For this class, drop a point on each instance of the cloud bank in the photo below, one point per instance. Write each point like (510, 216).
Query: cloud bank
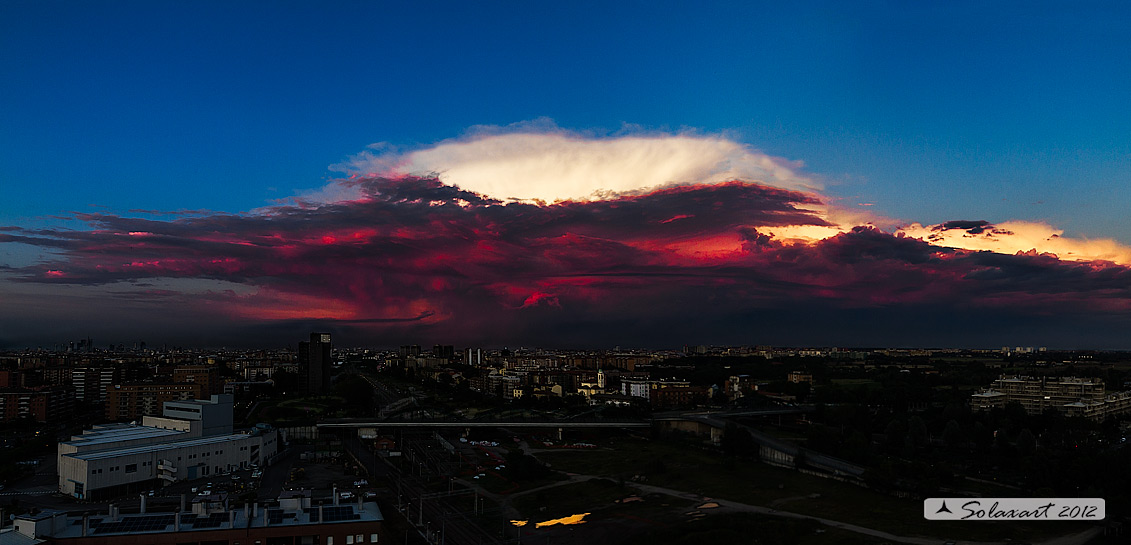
(561, 240)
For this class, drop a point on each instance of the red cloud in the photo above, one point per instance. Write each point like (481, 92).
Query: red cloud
(414, 252)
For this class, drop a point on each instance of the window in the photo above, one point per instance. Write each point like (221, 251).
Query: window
(329, 540)
(131, 468)
(349, 540)
(373, 538)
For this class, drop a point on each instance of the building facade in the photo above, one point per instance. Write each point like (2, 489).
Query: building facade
(193, 440)
(207, 376)
(125, 402)
(47, 404)
(314, 362)
(1073, 396)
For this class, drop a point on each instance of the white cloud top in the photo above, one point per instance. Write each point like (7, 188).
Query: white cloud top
(556, 166)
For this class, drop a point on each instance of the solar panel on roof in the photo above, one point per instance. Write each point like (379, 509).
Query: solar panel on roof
(135, 524)
(277, 516)
(211, 521)
(339, 513)
(312, 512)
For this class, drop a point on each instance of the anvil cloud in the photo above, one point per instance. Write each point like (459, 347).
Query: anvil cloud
(642, 240)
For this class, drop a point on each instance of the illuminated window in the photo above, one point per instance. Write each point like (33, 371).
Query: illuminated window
(372, 538)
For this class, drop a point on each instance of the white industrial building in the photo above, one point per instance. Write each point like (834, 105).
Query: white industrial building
(193, 439)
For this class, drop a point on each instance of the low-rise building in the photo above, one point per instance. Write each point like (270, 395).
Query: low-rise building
(295, 521)
(194, 439)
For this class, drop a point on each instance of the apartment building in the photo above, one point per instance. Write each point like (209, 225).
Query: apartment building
(1074, 396)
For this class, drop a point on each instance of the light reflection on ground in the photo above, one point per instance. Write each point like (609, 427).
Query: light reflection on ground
(566, 521)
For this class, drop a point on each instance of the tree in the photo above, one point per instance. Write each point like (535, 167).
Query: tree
(952, 435)
(285, 382)
(358, 393)
(894, 435)
(1026, 443)
(917, 432)
(737, 441)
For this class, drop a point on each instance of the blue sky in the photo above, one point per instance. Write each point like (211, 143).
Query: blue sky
(932, 111)
(924, 112)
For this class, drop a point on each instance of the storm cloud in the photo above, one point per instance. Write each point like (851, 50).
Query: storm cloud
(416, 258)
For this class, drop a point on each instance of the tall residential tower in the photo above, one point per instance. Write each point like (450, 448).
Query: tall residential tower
(314, 363)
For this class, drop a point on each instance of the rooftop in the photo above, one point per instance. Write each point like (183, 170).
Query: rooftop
(104, 525)
(154, 447)
(114, 433)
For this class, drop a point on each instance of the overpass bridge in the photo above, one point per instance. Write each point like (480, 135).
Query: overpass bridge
(440, 423)
(557, 423)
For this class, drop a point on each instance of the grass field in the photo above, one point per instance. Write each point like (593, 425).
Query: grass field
(749, 528)
(602, 499)
(704, 472)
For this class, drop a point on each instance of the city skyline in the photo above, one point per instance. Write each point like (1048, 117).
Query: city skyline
(650, 176)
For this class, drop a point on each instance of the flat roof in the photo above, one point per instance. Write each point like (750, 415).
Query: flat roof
(152, 523)
(122, 432)
(155, 447)
(9, 536)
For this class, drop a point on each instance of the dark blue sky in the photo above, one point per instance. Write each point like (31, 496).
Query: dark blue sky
(932, 111)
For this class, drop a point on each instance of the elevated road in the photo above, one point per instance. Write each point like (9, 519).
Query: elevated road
(562, 423)
(484, 424)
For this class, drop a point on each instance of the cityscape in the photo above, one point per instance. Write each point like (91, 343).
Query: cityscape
(318, 443)
(278, 273)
